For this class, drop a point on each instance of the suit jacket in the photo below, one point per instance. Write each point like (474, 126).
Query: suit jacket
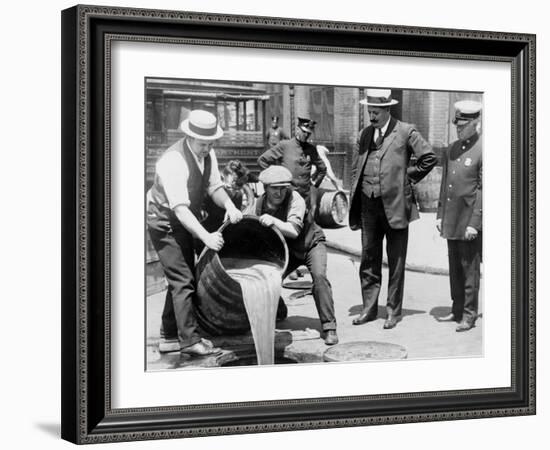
(401, 141)
(460, 195)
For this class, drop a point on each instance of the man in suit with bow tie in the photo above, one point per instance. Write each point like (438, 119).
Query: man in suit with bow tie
(382, 200)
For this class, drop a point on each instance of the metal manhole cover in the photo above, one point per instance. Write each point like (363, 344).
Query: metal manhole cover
(364, 351)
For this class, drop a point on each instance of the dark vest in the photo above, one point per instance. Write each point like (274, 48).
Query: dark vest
(371, 174)
(310, 235)
(159, 214)
(282, 211)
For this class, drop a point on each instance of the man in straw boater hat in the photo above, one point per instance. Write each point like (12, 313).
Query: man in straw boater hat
(382, 200)
(459, 214)
(185, 173)
(283, 208)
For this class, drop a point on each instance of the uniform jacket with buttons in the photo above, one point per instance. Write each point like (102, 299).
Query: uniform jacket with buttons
(401, 141)
(275, 135)
(298, 157)
(460, 196)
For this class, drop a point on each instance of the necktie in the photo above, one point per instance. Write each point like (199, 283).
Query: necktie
(380, 137)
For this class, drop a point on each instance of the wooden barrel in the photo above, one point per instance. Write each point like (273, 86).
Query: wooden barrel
(219, 305)
(332, 208)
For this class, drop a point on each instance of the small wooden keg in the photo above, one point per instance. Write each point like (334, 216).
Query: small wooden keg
(332, 208)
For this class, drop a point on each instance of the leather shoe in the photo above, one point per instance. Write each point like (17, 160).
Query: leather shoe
(293, 276)
(390, 322)
(201, 348)
(363, 318)
(331, 337)
(167, 345)
(465, 325)
(448, 318)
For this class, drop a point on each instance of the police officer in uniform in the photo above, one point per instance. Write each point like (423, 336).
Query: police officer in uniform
(184, 174)
(298, 156)
(459, 213)
(275, 134)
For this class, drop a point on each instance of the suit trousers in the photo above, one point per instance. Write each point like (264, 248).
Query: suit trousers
(316, 262)
(464, 276)
(374, 227)
(176, 254)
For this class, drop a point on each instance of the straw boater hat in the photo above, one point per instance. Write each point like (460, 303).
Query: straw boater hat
(202, 125)
(466, 110)
(275, 176)
(379, 97)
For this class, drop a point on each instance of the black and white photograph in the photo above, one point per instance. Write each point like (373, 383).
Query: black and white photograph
(310, 224)
(253, 225)
(285, 224)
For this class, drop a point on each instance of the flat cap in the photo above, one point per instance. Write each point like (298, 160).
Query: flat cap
(466, 110)
(275, 176)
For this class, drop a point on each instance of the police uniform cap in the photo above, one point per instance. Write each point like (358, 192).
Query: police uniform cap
(275, 176)
(306, 125)
(466, 110)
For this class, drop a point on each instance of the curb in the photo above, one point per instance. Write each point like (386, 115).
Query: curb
(408, 266)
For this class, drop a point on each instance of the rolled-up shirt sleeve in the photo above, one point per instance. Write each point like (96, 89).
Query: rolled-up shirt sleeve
(296, 211)
(173, 174)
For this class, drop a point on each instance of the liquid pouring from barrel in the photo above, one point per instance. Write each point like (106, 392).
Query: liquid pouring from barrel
(239, 287)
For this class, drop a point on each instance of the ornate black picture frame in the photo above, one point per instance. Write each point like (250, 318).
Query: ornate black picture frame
(87, 35)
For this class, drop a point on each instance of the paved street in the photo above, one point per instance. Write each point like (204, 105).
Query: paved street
(298, 337)
(426, 251)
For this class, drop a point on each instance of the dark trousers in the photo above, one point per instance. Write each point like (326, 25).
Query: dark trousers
(176, 254)
(374, 227)
(316, 261)
(464, 275)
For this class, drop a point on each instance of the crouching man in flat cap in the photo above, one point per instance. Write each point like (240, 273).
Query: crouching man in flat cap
(184, 175)
(382, 200)
(283, 208)
(459, 214)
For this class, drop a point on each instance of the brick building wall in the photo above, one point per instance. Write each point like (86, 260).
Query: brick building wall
(440, 105)
(417, 109)
(346, 128)
(430, 111)
(287, 125)
(301, 101)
